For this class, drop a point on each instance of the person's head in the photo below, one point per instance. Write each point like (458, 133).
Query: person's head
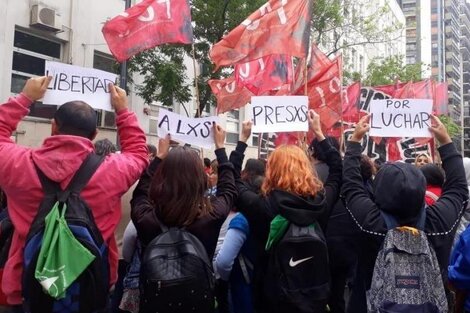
(207, 162)
(75, 118)
(253, 167)
(289, 169)
(367, 168)
(152, 151)
(422, 159)
(214, 175)
(433, 174)
(178, 188)
(317, 153)
(399, 190)
(253, 173)
(104, 147)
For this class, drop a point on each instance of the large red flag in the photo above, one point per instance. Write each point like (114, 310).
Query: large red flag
(147, 25)
(318, 61)
(325, 93)
(265, 74)
(229, 94)
(278, 27)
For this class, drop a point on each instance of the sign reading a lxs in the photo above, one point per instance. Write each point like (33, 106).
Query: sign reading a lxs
(279, 113)
(195, 131)
(400, 118)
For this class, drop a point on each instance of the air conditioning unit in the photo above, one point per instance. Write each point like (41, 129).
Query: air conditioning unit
(45, 18)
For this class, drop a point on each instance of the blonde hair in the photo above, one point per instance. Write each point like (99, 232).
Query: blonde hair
(425, 155)
(289, 169)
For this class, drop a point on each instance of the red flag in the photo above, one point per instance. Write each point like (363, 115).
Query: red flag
(278, 27)
(287, 139)
(318, 61)
(325, 93)
(229, 94)
(265, 74)
(147, 25)
(351, 103)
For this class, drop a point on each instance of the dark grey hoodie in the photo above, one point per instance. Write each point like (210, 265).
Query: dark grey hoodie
(399, 189)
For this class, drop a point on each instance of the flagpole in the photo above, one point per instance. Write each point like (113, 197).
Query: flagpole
(196, 85)
(304, 139)
(196, 88)
(123, 78)
(342, 147)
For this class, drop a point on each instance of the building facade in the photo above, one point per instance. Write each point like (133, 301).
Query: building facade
(465, 51)
(388, 38)
(418, 33)
(447, 60)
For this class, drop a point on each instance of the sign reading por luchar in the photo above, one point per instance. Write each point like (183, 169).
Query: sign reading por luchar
(400, 118)
(194, 131)
(279, 113)
(72, 83)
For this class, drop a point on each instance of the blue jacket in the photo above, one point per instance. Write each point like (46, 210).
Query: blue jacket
(459, 266)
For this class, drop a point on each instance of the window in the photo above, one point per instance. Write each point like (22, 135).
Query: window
(233, 126)
(29, 60)
(105, 62)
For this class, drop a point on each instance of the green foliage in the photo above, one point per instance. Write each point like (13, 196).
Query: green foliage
(164, 75)
(387, 71)
(452, 128)
(351, 77)
(340, 24)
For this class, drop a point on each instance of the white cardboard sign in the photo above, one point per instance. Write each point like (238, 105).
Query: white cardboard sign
(400, 118)
(194, 131)
(71, 83)
(278, 114)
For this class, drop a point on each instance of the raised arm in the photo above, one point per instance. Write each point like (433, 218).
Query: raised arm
(446, 211)
(363, 210)
(226, 190)
(238, 155)
(11, 113)
(133, 158)
(333, 183)
(142, 211)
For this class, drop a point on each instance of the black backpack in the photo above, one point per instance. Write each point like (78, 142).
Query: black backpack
(176, 275)
(297, 276)
(89, 293)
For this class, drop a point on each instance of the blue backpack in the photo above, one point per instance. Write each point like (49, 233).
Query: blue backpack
(89, 293)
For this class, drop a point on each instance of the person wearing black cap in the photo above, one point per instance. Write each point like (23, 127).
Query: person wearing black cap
(399, 190)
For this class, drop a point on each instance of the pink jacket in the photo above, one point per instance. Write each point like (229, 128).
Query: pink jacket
(59, 157)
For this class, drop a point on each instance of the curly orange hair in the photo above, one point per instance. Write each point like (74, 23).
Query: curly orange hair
(289, 169)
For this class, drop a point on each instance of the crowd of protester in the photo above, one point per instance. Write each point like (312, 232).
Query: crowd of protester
(308, 230)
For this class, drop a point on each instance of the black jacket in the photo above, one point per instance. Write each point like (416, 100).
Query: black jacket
(260, 210)
(205, 228)
(392, 194)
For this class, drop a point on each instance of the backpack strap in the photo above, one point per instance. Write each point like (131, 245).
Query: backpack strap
(245, 264)
(78, 182)
(48, 186)
(84, 173)
(392, 222)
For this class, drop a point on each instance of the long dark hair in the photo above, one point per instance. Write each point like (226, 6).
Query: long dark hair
(178, 188)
